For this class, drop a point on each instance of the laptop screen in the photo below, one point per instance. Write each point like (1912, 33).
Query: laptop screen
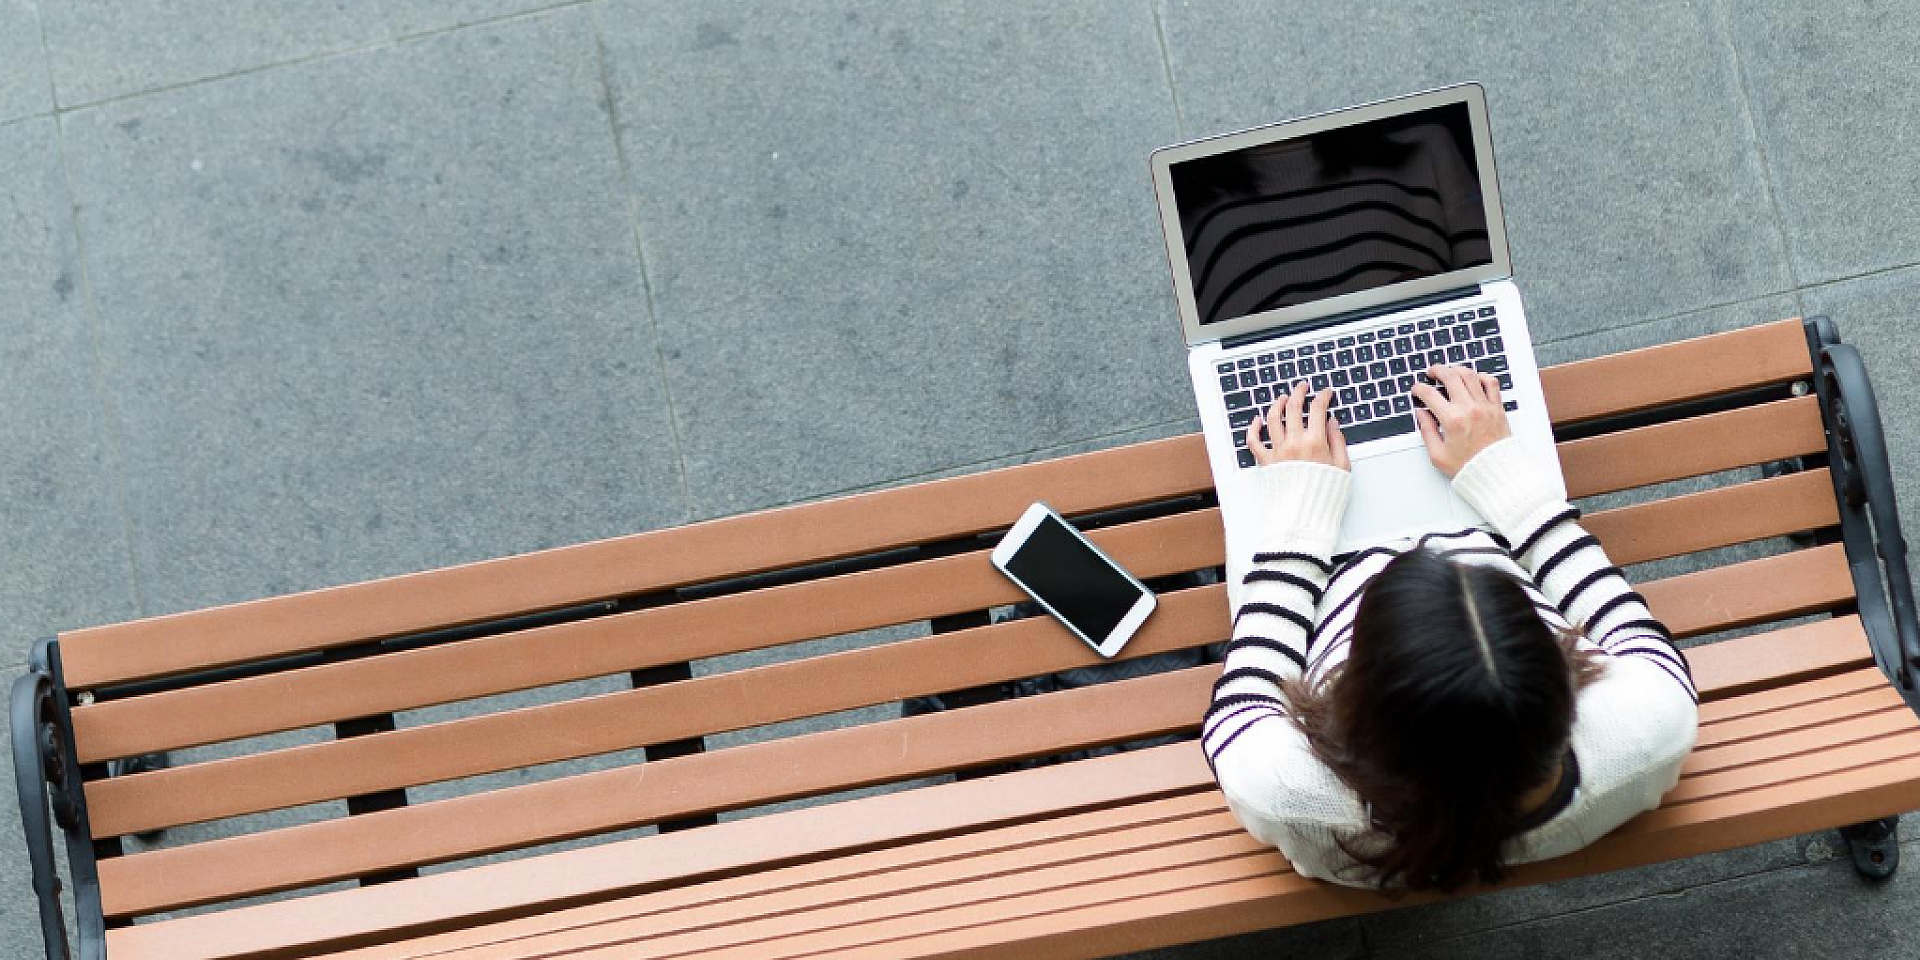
(1332, 213)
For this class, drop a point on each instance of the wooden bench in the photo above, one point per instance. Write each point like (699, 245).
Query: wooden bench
(1801, 730)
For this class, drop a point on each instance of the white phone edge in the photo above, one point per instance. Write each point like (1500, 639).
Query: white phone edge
(1017, 537)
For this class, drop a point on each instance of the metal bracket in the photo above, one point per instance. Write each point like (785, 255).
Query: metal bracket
(1875, 847)
(48, 780)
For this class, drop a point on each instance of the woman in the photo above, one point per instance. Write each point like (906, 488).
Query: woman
(1430, 712)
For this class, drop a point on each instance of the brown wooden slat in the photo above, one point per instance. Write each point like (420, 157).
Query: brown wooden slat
(651, 792)
(1761, 702)
(649, 715)
(1792, 655)
(641, 563)
(1677, 372)
(1738, 513)
(1693, 447)
(1756, 591)
(611, 645)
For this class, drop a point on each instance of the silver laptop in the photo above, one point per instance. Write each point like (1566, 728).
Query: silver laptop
(1350, 249)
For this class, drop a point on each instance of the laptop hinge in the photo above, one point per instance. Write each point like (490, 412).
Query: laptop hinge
(1457, 293)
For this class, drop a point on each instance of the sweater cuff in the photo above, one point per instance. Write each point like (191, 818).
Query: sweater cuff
(1505, 485)
(1305, 503)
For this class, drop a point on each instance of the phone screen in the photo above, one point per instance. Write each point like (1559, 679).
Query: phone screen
(1079, 584)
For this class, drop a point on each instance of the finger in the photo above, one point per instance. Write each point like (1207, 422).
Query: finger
(1337, 442)
(1317, 415)
(1296, 402)
(1492, 383)
(1258, 449)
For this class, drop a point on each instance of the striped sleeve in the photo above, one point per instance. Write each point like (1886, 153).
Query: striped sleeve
(1279, 561)
(1570, 567)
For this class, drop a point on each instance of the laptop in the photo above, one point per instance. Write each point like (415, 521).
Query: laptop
(1350, 249)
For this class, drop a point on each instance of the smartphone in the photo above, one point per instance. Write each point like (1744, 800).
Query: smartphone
(1069, 576)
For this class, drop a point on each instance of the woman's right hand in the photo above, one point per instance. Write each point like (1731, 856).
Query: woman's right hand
(1461, 422)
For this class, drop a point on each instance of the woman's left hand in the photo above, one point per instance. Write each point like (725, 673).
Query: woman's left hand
(1299, 430)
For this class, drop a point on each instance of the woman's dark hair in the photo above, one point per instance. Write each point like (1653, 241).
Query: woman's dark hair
(1456, 700)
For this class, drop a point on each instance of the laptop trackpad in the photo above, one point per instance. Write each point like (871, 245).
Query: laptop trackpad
(1395, 495)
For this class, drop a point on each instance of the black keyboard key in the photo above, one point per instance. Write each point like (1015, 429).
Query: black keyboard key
(1506, 381)
(1262, 396)
(1367, 337)
(1363, 354)
(1486, 311)
(1417, 361)
(1476, 349)
(1389, 387)
(1379, 429)
(1325, 347)
(1496, 344)
(1369, 392)
(1397, 366)
(1345, 357)
(1423, 341)
(1383, 349)
(1240, 439)
(1238, 419)
(1435, 356)
(1377, 370)
(1283, 354)
(1246, 364)
(1362, 413)
(1511, 405)
(1404, 344)
(1404, 329)
(1230, 382)
(1236, 401)
(1442, 337)
(1491, 365)
(1427, 324)
(1402, 403)
(1448, 321)
(1286, 371)
(1346, 341)
(1266, 358)
(1226, 367)
(1267, 375)
(1404, 383)
(1382, 408)
(1456, 354)
(1348, 397)
(1249, 379)
(1320, 381)
(1342, 415)
(1485, 328)
(1246, 458)
(1340, 378)
(1327, 364)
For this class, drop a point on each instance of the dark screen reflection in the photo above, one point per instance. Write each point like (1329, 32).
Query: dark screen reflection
(1333, 213)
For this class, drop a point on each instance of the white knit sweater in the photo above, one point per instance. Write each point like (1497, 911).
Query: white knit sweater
(1294, 613)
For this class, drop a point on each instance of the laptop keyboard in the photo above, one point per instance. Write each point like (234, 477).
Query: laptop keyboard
(1371, 374)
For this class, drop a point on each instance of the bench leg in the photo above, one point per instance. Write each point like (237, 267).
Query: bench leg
(1875, 847)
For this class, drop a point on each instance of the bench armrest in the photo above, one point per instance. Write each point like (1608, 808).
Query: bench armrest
(46, 775)
(1869, 517)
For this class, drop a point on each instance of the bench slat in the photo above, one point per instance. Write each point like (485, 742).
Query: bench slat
(554, 880)
(1693, 447)
(676, 633)
(1797, 655)
(1677, 372)
(1691, 604)
(848, 526)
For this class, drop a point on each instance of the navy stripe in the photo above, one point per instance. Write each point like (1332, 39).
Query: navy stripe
(1233, 698)
(1572, 596)
(1281, 576)
(1645, 623)
(1284, 555)
(1332, 643)
(1447, 535)
(1215, 753)
(1614, 603)
(1215, 717)
(1273, 609)
(1657, 650)
(1267, 643)
(1526, 544)
(1581, 542)
(1353, 560)
(1692, 694)
(1246, 673)
(1468, 551)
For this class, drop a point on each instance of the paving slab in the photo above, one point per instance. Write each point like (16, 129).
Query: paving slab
(1835, 89)
(373, 314)
(24, 90)
(890, 239)
(111, 48)
(62, 529)
(1629, 173)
